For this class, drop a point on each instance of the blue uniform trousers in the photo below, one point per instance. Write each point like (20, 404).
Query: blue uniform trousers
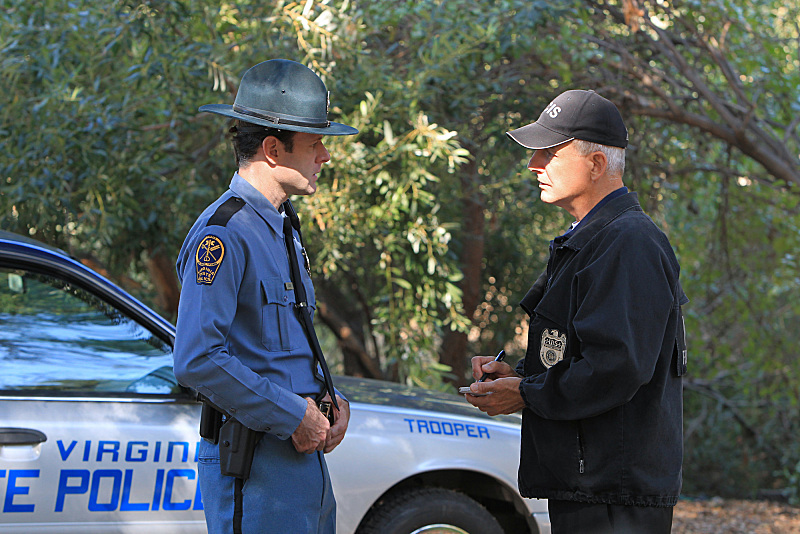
(287, 492)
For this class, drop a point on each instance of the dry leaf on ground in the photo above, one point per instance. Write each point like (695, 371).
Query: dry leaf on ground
(729, 516)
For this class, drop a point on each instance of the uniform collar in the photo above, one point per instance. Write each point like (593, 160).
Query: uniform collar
(253, 197)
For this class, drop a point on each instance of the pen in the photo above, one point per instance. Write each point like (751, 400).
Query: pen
(499, 358)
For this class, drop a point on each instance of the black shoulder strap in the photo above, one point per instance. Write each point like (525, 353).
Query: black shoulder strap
(293, 218)
(288, 208)
(225, 211)
(301, 303)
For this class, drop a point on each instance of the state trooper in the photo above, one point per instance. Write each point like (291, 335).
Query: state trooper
(244, 339)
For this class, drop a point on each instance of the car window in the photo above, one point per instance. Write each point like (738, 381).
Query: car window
(55, 337)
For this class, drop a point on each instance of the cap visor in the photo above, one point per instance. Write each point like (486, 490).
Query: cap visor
(333, 128)
(536, 136)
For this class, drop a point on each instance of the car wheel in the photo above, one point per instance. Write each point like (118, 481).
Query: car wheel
(429, 511)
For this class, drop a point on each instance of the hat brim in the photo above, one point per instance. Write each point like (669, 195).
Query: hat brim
(333, 128)
(537, 137)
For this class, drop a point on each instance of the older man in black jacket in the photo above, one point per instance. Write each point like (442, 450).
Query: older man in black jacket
(600, 386)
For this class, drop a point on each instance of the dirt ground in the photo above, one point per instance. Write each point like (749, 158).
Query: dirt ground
(724, 516)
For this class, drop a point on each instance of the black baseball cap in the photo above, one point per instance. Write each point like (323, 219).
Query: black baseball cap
(574, 114)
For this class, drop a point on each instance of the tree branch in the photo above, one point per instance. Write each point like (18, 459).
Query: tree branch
(737, 123)
(347, 338)
(706, 388)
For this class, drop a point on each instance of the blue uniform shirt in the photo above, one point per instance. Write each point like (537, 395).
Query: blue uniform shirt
(239, 340)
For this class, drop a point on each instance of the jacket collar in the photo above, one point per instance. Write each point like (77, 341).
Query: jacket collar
(606, 214)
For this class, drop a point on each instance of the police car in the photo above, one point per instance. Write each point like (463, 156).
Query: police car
(96, 435)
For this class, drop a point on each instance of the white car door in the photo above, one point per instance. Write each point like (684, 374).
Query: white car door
(95, 434)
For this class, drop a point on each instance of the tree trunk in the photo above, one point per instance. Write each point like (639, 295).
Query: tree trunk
(162, 274)
(454, 345)
(345, 321)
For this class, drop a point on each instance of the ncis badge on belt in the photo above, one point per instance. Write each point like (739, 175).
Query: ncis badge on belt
(208, 258)
(551, 351)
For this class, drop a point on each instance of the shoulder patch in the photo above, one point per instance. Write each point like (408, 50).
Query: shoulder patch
(208, 258)
(225, 211)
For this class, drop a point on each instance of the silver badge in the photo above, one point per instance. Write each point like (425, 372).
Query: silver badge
(551, 351)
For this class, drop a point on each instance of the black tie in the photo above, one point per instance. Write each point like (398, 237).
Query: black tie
(302, 307)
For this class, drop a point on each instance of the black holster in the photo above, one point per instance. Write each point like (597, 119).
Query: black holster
(210, 423)
(237, 443)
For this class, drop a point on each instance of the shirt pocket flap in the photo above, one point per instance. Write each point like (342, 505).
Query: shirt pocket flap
(276, 314)
(276, 291)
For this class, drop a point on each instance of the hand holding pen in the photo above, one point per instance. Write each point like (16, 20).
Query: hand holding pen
(499, 396)
(499, 358)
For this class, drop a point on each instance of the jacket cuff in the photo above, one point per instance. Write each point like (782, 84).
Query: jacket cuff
(522, 392)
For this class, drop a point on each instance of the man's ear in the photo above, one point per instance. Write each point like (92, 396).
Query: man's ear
(270, 147)
(599, 163)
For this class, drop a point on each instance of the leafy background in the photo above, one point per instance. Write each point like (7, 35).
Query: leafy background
(427, 229)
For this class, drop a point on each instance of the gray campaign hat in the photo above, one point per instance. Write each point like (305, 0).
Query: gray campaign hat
(574, 114)
(285, 95)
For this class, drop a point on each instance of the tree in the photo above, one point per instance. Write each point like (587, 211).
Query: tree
(724, 68)
(712, 92)
(427, 228)
(469, 65)
(105, 155)
(98, 131)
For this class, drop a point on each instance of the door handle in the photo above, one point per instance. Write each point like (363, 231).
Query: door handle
(21, 436)
(20, 444)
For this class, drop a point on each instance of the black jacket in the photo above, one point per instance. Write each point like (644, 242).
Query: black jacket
(603, 418)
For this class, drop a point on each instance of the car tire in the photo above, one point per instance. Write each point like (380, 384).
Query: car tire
(429, 510)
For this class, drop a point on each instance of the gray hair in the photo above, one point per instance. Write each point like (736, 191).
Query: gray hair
(614, 155)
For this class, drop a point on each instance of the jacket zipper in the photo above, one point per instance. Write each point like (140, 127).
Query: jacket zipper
(581, 463)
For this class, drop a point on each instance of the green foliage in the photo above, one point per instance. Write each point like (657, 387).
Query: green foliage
(468, 65)
(381, 238)
(740, 262)
(96, 125)
(712, 88)
(103, 153)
